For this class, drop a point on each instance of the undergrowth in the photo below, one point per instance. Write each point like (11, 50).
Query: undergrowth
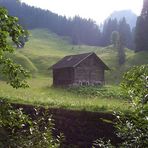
(99, 91)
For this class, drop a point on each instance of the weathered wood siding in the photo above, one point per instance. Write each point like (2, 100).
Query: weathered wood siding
(64, 76)
(89, 72)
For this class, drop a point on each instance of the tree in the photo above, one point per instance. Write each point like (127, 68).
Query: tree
(132, 127)
(125, 33)
(80, 30)
(141, 33)
(23, 39)
(108, 27)
(84, 31)
(124, 38)
(122, 27)
(121, 51)
(118, 43)
(115, 38)
(144, 12)
(9, 28)
(17, 129)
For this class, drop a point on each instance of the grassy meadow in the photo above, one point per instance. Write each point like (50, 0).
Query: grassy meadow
(42, 93)
(44, 49)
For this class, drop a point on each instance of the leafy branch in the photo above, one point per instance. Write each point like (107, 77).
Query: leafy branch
(10, 29)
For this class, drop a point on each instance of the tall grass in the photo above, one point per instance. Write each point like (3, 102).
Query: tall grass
(44, 49)
(42, 93)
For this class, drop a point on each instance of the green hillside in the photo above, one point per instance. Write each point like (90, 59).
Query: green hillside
(44, 49)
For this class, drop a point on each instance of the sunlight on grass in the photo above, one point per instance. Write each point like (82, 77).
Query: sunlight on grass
(44, 49)
(41, 93)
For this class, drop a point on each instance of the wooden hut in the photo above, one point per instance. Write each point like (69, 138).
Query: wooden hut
(81, 69)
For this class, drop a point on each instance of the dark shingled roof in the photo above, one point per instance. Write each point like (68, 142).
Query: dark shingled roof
(74, 60)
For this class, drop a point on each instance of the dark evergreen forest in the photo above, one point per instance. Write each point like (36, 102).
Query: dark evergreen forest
(141, 35)
(80, 30)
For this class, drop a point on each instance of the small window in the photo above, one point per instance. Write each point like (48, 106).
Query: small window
(87, 83)
(80, 83)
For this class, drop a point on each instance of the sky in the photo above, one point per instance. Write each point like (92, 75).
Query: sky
(97, 10)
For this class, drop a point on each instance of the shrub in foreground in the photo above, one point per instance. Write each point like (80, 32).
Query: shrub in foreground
(132, 128)
(99, 91)
(18, 130)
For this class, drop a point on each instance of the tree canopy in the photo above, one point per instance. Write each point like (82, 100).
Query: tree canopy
(80, 30)
(141, 37)
(18, 129)
(10, 29)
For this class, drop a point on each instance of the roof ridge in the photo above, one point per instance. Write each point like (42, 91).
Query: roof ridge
(74, 60)
(90, 53)
(79, 54)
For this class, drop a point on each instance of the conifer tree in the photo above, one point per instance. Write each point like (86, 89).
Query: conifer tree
(115, 38)
(121, 51)
(141, 37)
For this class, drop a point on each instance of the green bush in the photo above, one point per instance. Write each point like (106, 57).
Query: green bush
(132, 128)
(18, 130)
(99, 91)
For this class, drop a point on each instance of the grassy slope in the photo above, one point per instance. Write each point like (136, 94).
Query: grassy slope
(41, 93)
(43, 50)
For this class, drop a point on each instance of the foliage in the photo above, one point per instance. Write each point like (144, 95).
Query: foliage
(16, 128)
(132, 128)
(115, 38)
(125, 33)
(19, 130)
(46, 48)
(80, 30)
(99, 143)
(130, 16)
(135, 82)
(23, 39)
(9, 28)
(77, 28)
(108, 27)
(41, 93)
(99, 91)
(121, 26)
(121, 52)
(124, 40)
(142, 29)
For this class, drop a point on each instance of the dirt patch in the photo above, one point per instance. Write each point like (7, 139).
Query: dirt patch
(80, 128)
